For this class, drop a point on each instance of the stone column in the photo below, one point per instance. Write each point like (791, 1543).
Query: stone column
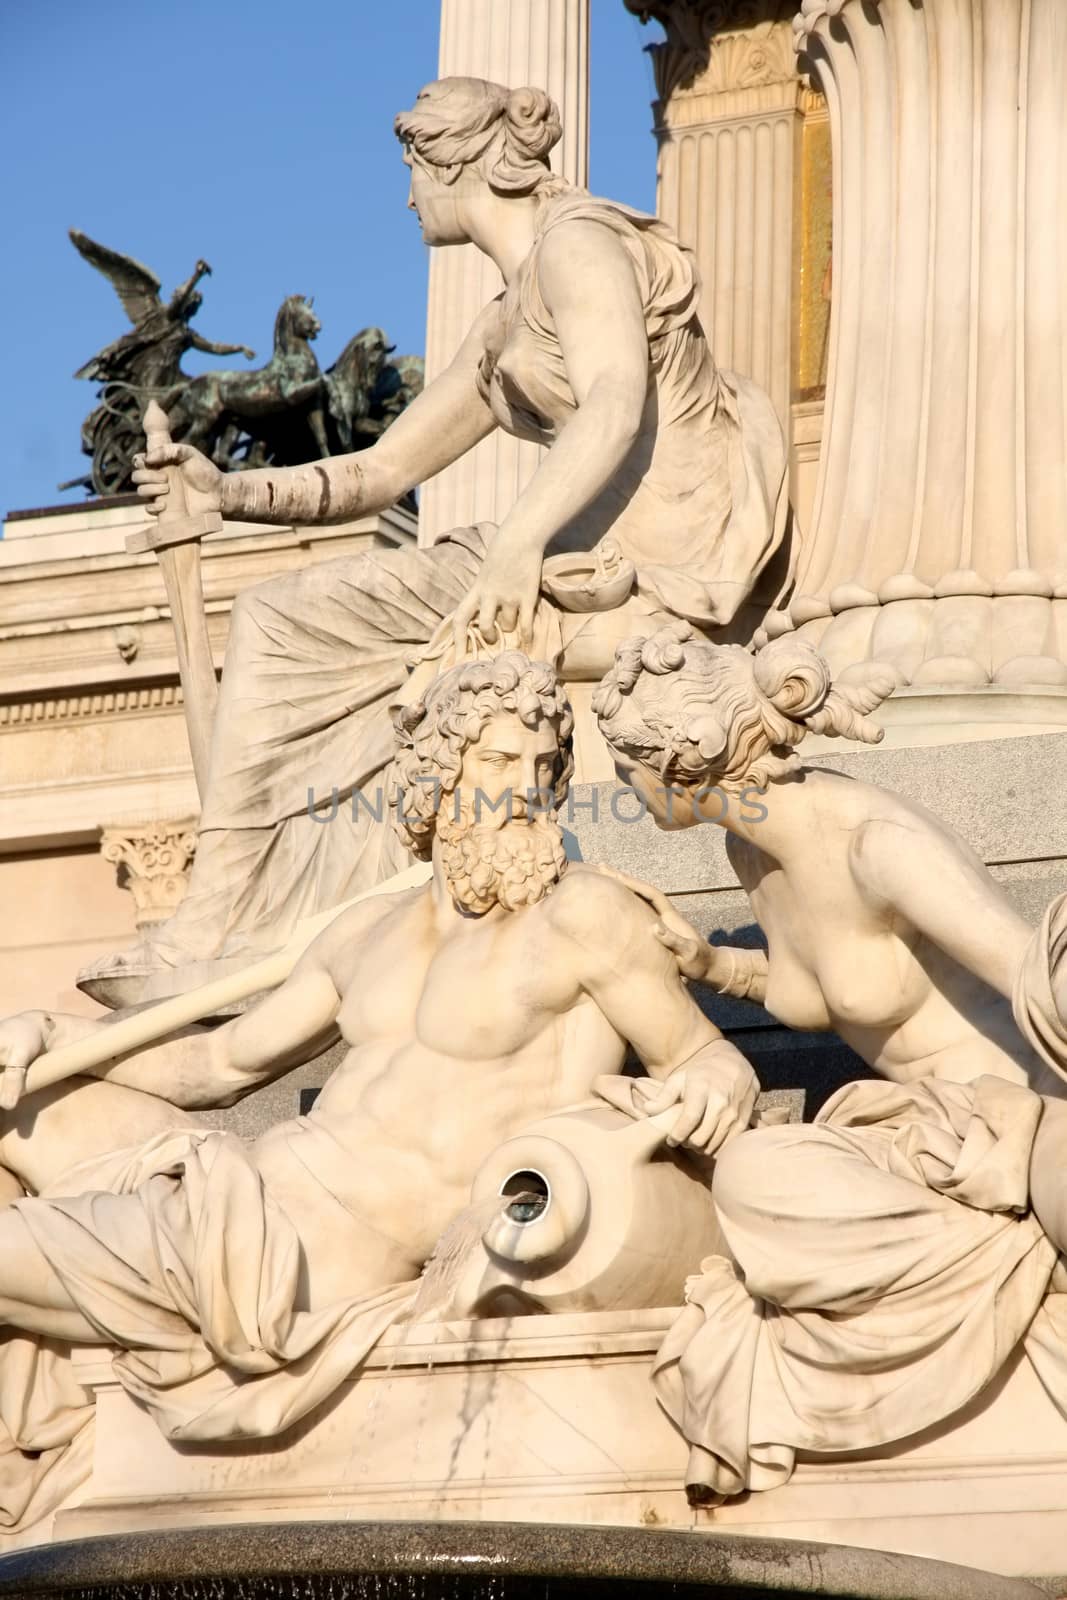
(544, 43)
(728, 115)
(939, 537)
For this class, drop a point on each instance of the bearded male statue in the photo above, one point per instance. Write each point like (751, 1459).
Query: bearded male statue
(491, 996)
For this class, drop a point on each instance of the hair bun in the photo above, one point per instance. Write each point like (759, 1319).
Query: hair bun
(793, 676)
(533, 121)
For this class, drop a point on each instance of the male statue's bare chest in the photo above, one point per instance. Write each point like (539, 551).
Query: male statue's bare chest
(477, 992)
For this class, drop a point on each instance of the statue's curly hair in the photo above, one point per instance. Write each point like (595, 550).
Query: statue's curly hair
(433, 734)
(506, 134)
(689, 709)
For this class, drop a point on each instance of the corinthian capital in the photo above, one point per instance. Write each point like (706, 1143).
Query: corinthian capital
(153, 861)
(726, 44)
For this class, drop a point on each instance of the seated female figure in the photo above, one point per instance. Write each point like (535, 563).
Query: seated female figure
(900, 1247)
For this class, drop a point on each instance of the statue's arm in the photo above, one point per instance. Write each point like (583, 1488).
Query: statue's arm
(288, 1027)
(211, 1067)
(588, 285)
(924, 880)
(606, 935)
(195, 1068)
(440, 425)
(210, 348)
(728, 969)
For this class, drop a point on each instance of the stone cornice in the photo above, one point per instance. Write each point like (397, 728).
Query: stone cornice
(50, 710)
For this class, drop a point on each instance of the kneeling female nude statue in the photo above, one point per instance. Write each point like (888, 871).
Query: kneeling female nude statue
(656, 460)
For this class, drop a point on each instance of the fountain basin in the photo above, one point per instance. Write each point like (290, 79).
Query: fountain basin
(475, 1561)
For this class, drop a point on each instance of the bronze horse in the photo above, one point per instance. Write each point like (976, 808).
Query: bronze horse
(367, 388)
(213, 410)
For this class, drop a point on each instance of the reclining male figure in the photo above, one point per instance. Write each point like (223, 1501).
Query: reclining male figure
(472, 1006)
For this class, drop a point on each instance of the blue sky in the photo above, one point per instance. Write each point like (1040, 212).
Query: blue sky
(255, 133)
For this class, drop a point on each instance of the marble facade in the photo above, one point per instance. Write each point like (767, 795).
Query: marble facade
(936, 540)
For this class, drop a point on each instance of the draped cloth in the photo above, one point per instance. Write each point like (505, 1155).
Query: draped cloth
(883, 1266)
(1039, 1000)
(296, 814)
(699, 505)
(177, 1254)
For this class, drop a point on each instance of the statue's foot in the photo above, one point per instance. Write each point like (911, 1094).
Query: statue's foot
(150, 971)
(117, 979)
(145, 971)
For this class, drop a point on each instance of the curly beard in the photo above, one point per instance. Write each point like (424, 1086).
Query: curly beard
(510, 864)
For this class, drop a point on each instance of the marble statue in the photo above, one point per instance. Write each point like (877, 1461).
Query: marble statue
(494, 995)
(883, 1263)
(595, 350)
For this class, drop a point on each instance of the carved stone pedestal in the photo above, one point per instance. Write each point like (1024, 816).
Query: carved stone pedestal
(554, 1420)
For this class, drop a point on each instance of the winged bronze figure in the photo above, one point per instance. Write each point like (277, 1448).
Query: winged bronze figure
(283, 413)
(144, 364)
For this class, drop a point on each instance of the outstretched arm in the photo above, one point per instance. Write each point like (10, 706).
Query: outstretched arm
(198, 1067)
(446, 420)
(203, 1067)
(210, 348)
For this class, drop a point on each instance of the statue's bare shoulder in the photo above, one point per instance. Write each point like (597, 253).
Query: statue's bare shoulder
(599, 913)
(341, 947)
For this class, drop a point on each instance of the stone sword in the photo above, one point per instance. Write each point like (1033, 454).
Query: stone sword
(175, 537)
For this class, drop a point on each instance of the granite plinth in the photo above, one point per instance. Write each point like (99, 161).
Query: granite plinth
(477, 1561)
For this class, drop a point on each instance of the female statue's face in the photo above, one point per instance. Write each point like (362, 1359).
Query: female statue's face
(439, 207)
(672, 804)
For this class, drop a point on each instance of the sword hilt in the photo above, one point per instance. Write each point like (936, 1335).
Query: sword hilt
(175, 525)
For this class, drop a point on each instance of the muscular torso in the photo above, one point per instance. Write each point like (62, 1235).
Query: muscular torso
(456, 1041)
(837, 961)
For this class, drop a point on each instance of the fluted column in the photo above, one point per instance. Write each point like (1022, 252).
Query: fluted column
(939, 537)
(730, 102)
(544, 43)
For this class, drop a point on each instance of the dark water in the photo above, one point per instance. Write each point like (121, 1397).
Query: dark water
(475, 1561)
(375, 1586)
